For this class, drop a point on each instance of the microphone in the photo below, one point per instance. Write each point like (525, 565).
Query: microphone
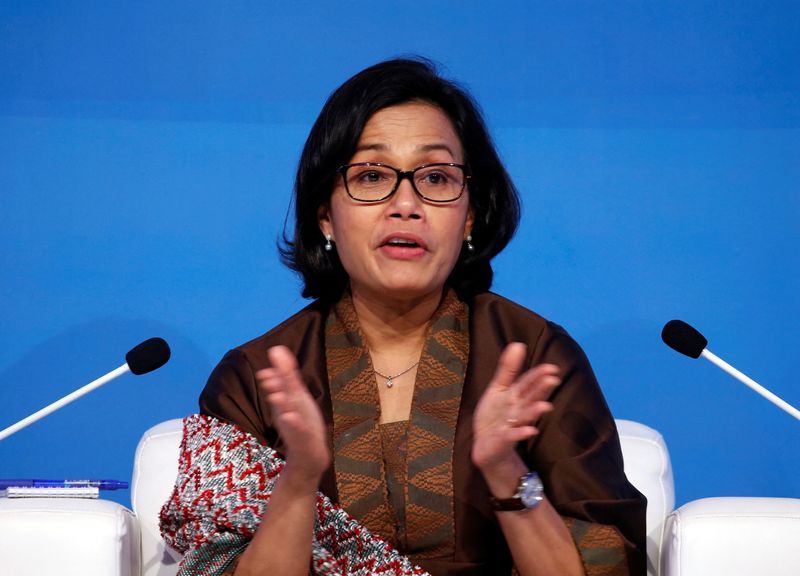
(146, 357)
(685, 339)
(150, 355)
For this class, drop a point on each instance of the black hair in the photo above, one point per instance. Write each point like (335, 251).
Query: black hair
(332, 142)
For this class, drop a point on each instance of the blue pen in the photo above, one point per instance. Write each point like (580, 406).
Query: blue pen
(37, 483)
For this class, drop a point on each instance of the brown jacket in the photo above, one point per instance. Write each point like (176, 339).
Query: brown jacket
(577, 452)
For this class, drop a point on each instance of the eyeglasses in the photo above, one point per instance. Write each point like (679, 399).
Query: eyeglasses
(374, 182)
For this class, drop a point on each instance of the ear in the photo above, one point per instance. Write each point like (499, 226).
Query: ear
(469, 221)
(324, 219)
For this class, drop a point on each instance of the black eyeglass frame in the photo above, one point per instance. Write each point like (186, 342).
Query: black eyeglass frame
(404, 175)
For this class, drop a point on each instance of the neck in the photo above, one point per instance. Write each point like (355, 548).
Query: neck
(395, 330)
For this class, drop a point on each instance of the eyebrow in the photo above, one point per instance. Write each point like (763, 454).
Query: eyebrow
(424, 148)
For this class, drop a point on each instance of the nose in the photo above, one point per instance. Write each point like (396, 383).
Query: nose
(405, 202)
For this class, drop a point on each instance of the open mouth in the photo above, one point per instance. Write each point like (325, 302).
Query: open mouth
(402, 243)
(404, 246)
(400, 239)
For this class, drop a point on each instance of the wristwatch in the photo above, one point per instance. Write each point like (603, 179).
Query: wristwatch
(530, 492)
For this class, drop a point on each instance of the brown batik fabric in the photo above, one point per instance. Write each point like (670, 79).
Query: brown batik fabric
(358, 458)
(600, 546)
(394, 443)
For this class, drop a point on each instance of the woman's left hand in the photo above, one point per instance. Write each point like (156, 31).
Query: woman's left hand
(510, 407)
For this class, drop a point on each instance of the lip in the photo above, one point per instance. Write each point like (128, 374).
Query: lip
(408, 236)
(401, 252)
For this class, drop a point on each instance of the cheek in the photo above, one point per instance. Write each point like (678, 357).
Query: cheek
(458, 224)
(340, 217)
(453, 232)
(351, 228)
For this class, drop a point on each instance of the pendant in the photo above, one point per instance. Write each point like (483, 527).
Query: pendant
(389, 382)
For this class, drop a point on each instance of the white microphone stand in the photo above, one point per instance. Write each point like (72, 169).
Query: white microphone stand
(63, 401)
(747, 381)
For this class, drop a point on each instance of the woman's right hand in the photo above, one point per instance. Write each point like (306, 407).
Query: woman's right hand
(282, 543)
(296, 416)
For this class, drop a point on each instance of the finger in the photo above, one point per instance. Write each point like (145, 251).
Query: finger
(269, 381)
(285, 365)
(545, 369)
(534, 374)
(521, 414)
(533, 412)
(282, 359)
(538, 391)
(509, 365)
(538, 382)
(275, 388)
(280, 403)
(531, 405)
(518, 433)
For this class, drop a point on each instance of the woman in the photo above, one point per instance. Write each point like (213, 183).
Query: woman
(463, 429)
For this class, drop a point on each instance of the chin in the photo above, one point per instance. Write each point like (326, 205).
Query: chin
(409, 291)
(398, 287)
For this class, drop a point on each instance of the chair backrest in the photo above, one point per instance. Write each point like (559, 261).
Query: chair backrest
(154, 472)
(647, 466)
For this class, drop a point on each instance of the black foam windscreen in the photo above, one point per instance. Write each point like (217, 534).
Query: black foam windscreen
(682, 337)
(148, 356)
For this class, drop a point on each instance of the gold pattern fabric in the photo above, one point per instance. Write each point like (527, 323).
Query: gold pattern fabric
(394, 445)
(359, 466)
(600, 546)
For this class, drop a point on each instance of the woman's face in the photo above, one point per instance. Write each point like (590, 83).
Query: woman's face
(402, 247)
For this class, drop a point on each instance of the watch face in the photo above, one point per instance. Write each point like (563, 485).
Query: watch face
(532, 490)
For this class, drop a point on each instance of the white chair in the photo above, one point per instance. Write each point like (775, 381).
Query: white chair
(648, 467)
(733, 536)
(725, 536)
(154, 471)
(68, 537)
(709, 537)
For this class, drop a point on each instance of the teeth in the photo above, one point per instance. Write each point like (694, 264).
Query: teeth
(398, 241)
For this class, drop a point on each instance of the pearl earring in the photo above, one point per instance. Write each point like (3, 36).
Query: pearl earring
(328, 244)
(468, 240)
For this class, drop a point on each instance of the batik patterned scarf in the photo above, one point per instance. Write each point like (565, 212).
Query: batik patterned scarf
(225, 478)
(358, 460)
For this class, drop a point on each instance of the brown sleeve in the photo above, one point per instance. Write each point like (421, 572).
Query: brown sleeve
(578, 455)
(231, 394)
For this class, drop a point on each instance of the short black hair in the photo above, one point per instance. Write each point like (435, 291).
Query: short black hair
(333, 140)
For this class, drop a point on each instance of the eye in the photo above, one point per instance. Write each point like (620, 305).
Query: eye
(434, 177)
(371, 176)
(368, 176)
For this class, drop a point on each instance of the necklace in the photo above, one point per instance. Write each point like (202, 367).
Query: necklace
(390, 379)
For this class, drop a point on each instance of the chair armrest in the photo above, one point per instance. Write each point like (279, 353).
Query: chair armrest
(68, 536)
(732, 537)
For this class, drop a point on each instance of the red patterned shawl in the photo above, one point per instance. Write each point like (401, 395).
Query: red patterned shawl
(225, 477)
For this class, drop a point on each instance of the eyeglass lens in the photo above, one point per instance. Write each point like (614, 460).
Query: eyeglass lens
(372, 182)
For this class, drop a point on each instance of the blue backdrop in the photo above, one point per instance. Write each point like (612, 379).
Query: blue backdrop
(147, 152)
